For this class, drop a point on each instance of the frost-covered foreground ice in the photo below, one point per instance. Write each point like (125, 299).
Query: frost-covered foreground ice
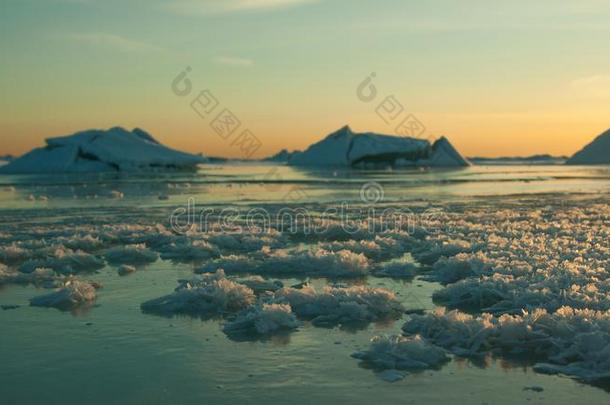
(402, 353)
(521, 279)
(214, 294)
(264, 319)
(570, 341)
(73, 294)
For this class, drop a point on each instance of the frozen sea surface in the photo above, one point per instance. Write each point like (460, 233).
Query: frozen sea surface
(497, 291)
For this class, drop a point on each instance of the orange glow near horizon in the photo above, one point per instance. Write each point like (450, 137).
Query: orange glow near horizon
(510, 139)
(512, 79)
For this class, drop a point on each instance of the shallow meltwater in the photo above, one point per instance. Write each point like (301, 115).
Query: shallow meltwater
(265, 284)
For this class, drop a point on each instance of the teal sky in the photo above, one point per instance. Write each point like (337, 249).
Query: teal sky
(519, 77)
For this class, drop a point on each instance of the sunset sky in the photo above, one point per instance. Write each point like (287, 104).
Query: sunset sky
(510, 78)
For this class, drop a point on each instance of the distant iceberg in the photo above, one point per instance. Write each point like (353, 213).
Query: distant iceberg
(543, 159)
(595, 153)
(95, 150)
(346, 148)
(282, 156)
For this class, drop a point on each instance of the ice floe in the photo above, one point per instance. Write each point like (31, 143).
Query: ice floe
(73, 294)
(131, 254)
(260, 285)
(64, 261)
(213, 294)
(265, 319)
(40, 277)
(125, 269)
(571, 341)
(332, 306)
(319, 262)
(401, 353)
(207, 296)
(188, 251)
(396, 269)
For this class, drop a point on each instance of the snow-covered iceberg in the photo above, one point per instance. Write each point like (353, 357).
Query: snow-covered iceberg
(95, 150)
(347, 148)
(6, 159)
(595, 153)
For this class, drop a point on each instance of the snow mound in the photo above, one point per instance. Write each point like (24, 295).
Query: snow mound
(396, 270)
(318, 262)
(261, 285)
(378, 248)
(246, 242)
(131, 254)
(125, 269)
(574, 342)
(341, 306)
(72, 295)
(187, 251)
(87, 243)
(205, 297)
(430, 253)
(402, 353)
(115, 149)
(595, 153)
(455, 331)
(64, 261)
(262, 320)
(13, 253)
(448, 270)
(40, 277)
(346, 148)
(214, 294)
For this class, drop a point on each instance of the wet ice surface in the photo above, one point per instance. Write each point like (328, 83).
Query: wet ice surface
(487, 299)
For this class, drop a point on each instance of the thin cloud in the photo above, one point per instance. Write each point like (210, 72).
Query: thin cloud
(190, 7)
(233, 61)
(113, 41)
(597, 86)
